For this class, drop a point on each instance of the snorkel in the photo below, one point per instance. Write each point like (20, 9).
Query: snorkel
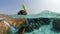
(24, 8)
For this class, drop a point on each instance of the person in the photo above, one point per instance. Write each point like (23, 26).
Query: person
(22, 12)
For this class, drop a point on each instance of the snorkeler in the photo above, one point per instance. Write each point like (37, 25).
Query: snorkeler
(22, 12)
(28, 20)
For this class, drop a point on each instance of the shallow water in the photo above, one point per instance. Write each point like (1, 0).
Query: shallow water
(46, 29)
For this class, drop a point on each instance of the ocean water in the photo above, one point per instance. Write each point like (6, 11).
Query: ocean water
(43, 14)
(45, 29)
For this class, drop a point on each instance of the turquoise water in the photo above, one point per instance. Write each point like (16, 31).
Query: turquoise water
(45, 29)
(43, 14)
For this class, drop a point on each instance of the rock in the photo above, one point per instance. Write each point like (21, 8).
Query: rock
(56, 24)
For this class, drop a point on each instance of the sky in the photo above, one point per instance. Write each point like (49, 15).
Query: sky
(33, 6)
